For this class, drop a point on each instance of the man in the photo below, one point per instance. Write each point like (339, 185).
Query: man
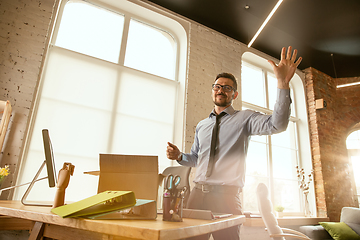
(220, 162)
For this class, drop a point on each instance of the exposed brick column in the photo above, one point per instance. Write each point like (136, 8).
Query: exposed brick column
(333, 179)
(315, 145)
(24, 31)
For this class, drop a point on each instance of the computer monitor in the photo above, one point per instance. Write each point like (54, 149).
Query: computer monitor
(49, 158)
(50, 167)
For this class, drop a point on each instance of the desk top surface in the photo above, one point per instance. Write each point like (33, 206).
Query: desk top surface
(140, 229)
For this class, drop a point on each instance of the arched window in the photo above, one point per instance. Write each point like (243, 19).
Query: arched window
(273, 159)
(353, 146)
(113, 83)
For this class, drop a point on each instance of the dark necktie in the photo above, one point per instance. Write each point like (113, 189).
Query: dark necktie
(214, 138)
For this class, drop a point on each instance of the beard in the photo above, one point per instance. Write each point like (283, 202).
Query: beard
(223, 102)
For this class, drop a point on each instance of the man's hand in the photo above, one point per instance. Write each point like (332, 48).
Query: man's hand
(173, 152)
(286, 68)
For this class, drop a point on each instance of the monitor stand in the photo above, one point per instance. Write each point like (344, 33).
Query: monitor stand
(23, 199)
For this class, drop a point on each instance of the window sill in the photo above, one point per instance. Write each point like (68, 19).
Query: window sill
(286, 221)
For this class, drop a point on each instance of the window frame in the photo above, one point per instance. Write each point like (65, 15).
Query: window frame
(299, 116)
(175, 26)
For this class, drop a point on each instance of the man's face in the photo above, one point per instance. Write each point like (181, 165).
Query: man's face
(222, 98)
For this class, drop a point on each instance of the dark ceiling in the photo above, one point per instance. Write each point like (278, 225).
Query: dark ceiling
(325, 32)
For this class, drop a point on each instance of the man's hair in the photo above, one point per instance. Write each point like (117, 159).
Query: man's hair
(229, 76)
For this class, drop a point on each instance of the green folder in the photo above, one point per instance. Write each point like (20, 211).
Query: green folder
(143, 209)
(102, 203)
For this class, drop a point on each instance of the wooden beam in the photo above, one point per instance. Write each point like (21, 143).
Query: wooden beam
(37, 231)
(11, 223)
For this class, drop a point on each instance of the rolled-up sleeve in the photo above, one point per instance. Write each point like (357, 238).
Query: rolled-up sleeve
(190, 159)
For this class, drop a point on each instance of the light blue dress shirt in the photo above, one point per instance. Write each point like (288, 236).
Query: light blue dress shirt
(235, 130)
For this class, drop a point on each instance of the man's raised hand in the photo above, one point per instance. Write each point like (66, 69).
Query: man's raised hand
(285, 70)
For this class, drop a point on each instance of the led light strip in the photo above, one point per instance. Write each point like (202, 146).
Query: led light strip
(348, 85)
(265, 22)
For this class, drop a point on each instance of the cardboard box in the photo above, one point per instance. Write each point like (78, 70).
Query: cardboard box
(136, 173)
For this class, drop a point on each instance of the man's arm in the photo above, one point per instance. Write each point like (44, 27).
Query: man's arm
(263, 124)
(185, 159)
(188, 160)
(173, 152)
(260, 124)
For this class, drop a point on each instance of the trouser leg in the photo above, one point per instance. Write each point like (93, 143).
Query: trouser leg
(217, 202)
(196, 201)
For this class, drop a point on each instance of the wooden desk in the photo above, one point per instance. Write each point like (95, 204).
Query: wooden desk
(50, 225)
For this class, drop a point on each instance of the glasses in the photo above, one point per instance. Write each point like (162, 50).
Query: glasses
(226, 88)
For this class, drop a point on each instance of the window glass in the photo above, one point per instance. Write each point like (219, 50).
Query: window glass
(140, 115)
(286, 194)
(284, 153)
(353, 140)
(91, 30)
(285, 139)
(284, 162)
(256, 160)
(75, 78)
(353, 146)
(257, 138)
(151, 50)
(355, 161)
(252, 85)
(249, 193)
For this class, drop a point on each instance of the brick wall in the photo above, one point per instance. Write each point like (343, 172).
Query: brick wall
(329, 128)
(24, 27)
(210, 53)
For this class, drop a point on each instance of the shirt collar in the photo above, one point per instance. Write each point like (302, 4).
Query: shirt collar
(229, 110)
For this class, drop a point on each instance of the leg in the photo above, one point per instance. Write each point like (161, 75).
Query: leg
(195, 201)
(37, 231)
(217, 202)
(224, 203)
(227, 234)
